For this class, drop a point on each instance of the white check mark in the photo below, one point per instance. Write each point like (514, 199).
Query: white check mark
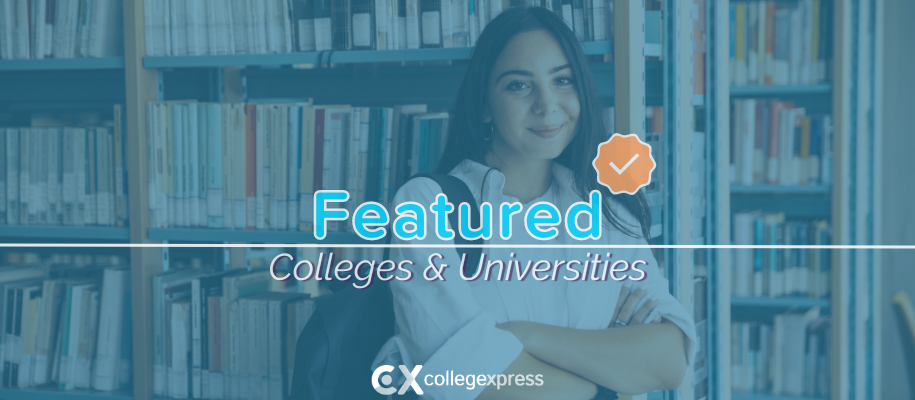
(621, 170)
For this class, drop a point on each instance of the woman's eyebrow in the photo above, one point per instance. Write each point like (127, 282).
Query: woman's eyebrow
(560, 68)
(514, 72)
(528, 73)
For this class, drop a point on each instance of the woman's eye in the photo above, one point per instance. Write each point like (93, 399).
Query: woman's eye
(517, 85)
(564, 81)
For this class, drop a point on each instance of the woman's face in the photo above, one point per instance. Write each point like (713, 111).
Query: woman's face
(533, 98)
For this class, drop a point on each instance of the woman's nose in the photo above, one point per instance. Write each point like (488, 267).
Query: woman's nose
(545, 102)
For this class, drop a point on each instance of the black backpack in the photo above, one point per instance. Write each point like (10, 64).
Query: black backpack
(335, 350)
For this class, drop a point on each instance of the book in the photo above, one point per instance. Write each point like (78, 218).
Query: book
(115, 284)
(363, 24)
(431, 23)
(166, 289)
(303, 18)
(777, 43)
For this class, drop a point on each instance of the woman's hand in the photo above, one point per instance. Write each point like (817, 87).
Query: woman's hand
(625, 313)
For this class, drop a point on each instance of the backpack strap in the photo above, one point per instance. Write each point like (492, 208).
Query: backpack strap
(457, 192)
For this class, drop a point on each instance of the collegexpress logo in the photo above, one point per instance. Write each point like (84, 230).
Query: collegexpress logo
(386, 380)
(449, 378)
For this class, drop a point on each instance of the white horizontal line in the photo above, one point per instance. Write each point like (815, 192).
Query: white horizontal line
(438, 246)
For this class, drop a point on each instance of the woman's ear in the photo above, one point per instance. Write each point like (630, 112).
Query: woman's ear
(487, 116)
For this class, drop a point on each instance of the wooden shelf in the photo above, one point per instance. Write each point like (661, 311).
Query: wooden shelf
(760, 396)
(254, 236)
(335, 57)
(57, 64)
(823, 190)
(778, 303)
(780, 90)
(55, 394)
(79, 233)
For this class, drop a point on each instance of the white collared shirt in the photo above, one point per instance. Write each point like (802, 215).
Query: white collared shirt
(451, 325)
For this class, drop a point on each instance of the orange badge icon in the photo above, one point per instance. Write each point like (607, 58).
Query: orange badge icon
(624, 164)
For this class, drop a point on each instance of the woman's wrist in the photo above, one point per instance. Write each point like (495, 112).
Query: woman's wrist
(526, 331)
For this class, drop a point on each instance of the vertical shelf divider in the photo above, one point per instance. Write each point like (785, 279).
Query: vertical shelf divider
(841, 110)
(678, 51)
(142, 86)
(629, 77)
(719, 98)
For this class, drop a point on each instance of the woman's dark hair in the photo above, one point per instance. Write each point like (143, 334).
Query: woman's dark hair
(468, 132)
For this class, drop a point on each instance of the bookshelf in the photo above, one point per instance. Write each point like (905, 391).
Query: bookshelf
(631, 82)
(850, 93)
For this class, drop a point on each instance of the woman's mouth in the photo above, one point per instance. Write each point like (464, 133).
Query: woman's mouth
(547, 131)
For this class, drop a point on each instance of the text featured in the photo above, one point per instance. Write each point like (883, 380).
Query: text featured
(540, 220)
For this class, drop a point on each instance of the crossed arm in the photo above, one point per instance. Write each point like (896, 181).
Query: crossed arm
(632, 359)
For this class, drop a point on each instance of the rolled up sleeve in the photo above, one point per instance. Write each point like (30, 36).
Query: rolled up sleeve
(669, 307)
(440, 323)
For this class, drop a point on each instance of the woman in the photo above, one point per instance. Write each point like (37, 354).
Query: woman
(525, 128)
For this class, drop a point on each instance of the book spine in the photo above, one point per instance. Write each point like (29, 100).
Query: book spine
(177, 368)
(251, 174)
(152, 164)
(364, 24)
(202, 158)
(120, 172)
(447, 21)
(275, 350)
(412, 18)
(234, 348)
(382, 21)
(386, 191)
(158, 323)
(13, 174)
(92, 173)
(196, 351)
(227, 136)
(55, 216)
(214, 346)
(305, 25)
(341, 25)
(240, 152)
(25, 187)
(3, 176)
(214, 150)
(104, 173)
(431, 23)
(293, 165)
(191, 157)
(323, 26)
(13, 339)
(262, 168)
(105, 374)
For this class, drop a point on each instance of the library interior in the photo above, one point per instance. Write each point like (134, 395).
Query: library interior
(160, 163)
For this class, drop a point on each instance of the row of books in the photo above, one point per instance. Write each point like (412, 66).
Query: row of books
(36, 29)
(787, 357)
(73, 176)
(776, 143)
(257, 166)
(780, 43)
(225, 335)
(198, 27)
(65, 326)
(780, 272)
